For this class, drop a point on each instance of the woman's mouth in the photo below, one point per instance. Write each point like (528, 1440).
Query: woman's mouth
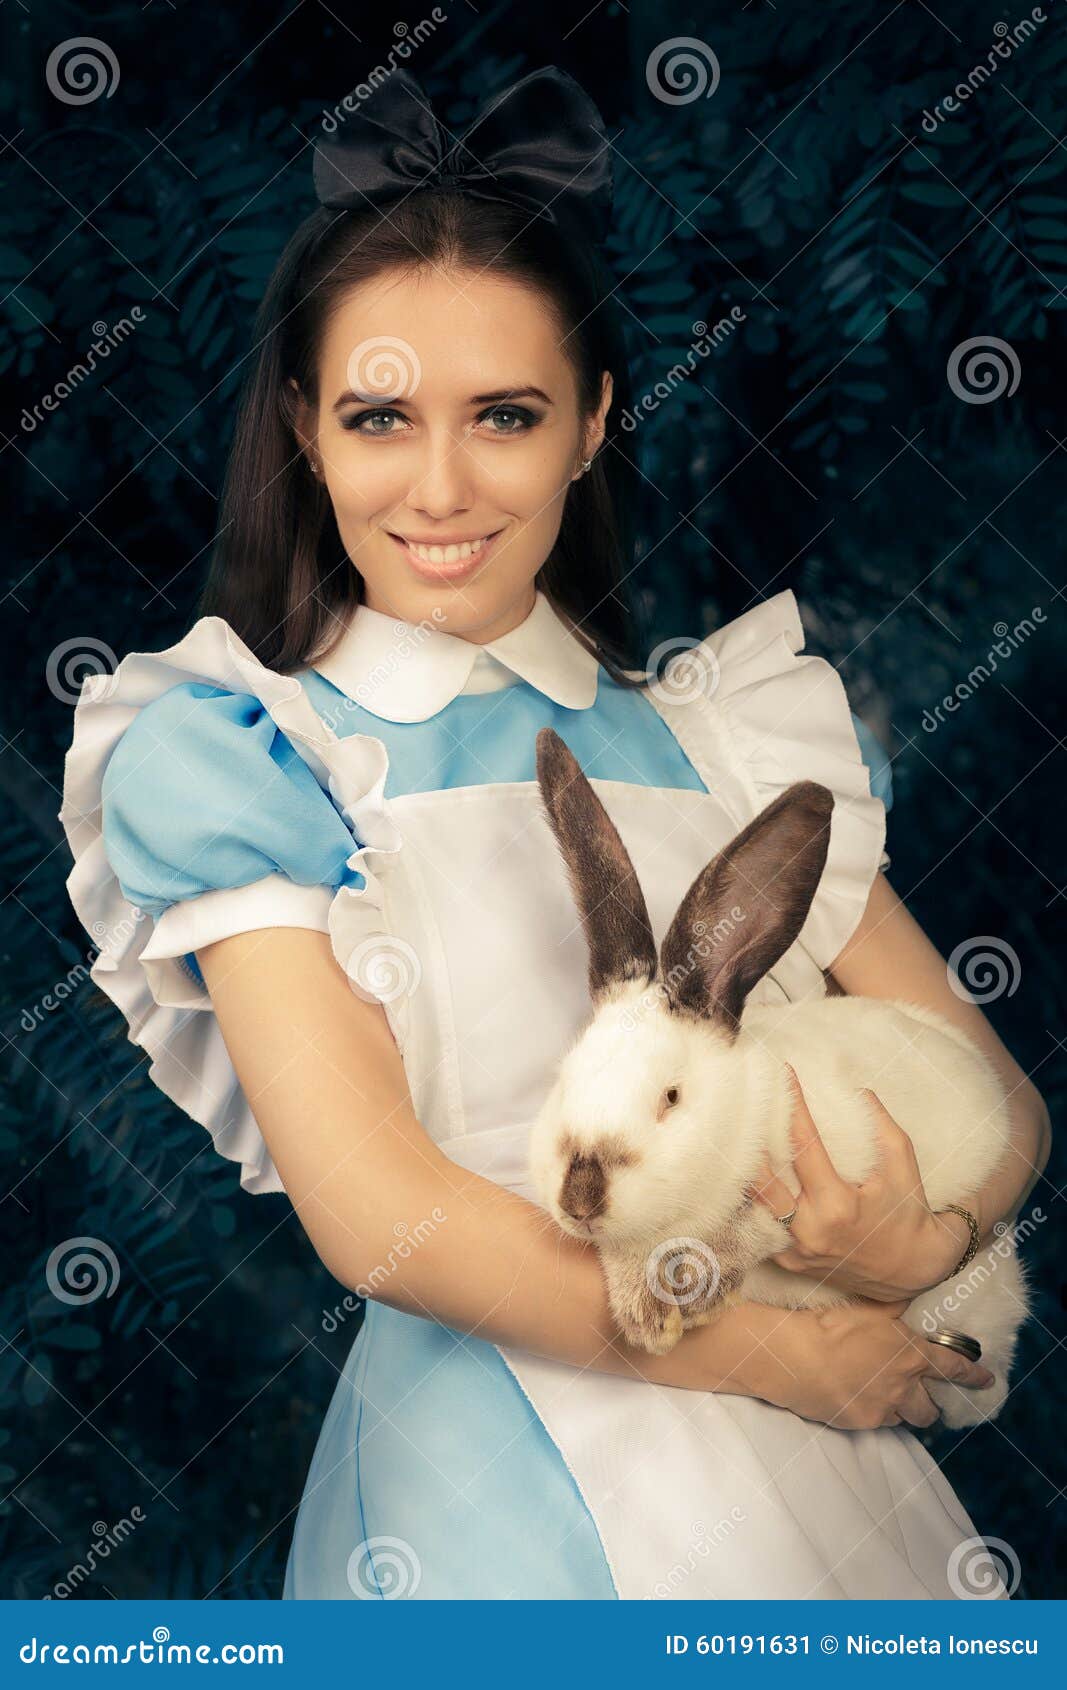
(447, 563)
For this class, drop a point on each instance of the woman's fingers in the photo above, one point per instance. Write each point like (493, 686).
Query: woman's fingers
(772, 1191)
(918, 1407)
(949, 1364)
(894, 1144)
(811, 1159)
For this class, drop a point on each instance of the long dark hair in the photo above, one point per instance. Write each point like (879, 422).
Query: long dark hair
(280, 575)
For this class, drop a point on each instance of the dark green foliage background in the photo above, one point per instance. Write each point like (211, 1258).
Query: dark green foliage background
(819, 448)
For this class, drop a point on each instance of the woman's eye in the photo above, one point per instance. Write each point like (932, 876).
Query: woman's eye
(354, 423)
(516, 419)
(527, 419)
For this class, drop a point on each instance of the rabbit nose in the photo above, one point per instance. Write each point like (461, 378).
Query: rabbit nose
(584, 1192)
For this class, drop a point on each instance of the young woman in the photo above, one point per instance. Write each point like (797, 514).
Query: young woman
(364, 964)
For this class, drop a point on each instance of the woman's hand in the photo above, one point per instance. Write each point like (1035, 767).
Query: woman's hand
(881, 1238)
(859, 1366)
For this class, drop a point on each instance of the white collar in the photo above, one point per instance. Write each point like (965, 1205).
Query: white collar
(408, 671)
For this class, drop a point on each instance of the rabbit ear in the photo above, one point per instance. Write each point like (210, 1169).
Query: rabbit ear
(606, 890)
(744, 909)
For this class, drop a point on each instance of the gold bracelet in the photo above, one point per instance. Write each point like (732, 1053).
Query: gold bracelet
(972, 1248)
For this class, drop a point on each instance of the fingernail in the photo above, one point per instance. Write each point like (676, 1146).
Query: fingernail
(990, 1379)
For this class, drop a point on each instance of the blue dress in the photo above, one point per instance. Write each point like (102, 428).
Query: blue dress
(393, 804)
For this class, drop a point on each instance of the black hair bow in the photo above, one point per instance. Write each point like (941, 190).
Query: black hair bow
(540, 144)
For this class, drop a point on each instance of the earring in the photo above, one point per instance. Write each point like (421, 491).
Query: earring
(314, 466)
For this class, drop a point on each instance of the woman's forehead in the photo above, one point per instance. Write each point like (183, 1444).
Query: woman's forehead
(477, 332)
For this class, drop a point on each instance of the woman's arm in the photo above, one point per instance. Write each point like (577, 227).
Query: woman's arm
(322, 1074)
(889, 956)
(323, 1077)
(881, 1238)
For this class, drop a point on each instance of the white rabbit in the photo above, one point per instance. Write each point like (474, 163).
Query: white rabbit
(664, 1107)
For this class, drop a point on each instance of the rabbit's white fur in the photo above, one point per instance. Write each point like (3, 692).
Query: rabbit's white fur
(667, 1104)
(689, 1164)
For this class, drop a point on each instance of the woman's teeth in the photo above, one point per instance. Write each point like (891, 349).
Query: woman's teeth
(447, 554)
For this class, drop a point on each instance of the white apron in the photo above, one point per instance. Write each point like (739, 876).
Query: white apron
(477, 893)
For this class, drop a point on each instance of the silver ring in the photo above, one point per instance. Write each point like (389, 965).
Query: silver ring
(961, 1342)
(786, 1220)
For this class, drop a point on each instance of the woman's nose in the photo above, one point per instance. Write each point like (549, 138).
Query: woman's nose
(444, 479)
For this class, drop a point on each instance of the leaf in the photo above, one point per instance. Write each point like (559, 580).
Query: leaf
(37, 1382)
(913, 263)
(840, 271)
(223, 1221)
(72, 1337)
(1025, 146)
(849, 238)
(259, 238)
(809, 436)
(211, 354)
(199, 294)
(851, 290)
(932, 193)
(663, 293)
(12, 262)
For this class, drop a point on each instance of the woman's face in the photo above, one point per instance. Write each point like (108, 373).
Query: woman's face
(448, 415)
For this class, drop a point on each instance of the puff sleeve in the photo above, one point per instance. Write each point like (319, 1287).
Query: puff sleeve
(203, 795)
(213, 823)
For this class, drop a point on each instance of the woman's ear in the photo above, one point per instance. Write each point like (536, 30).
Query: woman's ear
(595, 429)
(598, 425)
(305, 423)
(302, 415)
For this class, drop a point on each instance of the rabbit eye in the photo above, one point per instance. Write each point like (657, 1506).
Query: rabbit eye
(671, 1096)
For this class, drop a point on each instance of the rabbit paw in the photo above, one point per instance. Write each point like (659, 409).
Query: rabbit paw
(646, 1318)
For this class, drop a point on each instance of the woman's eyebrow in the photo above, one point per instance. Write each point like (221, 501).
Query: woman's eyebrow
(504, 394)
